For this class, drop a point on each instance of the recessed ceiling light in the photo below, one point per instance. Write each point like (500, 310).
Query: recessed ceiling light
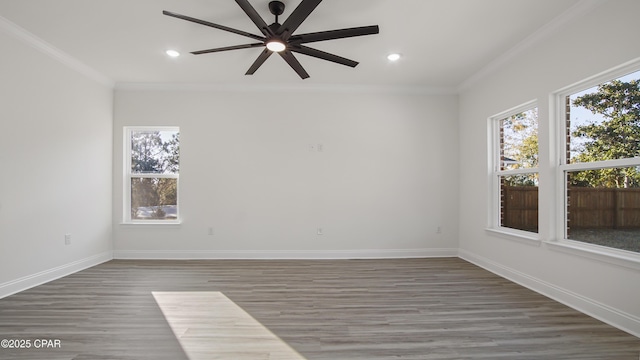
(173, 53)
(393, 57)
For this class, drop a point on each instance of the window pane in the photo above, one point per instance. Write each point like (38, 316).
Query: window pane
(519, 140)
(603, 207)
(519, 202)
(153, 198)
(155, 152)
(603, 122)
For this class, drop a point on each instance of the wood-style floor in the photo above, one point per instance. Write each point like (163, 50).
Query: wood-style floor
(294, 309)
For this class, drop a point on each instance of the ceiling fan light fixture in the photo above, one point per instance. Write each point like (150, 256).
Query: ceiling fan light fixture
(276, 46)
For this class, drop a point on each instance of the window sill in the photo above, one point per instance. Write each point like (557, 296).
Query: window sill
(622, 258)
(151, 222)
(523, 237)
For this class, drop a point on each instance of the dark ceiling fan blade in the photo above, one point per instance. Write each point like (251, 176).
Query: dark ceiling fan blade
(324, 55)
(259, 61)
(220, 27)
(227, 48)
(294, 63)
(334, 34)
(255, 17)
(297, 17)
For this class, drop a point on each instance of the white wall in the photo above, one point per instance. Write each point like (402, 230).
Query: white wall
(56, 158)
(385, 179)
(597, 41)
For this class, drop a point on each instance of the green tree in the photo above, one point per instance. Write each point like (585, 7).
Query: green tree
(616, 137)
(520, 145)
(152, 153)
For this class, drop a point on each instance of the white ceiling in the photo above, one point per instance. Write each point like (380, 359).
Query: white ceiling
(443, 42)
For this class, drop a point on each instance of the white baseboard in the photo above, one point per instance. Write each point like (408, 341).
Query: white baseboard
(27, 282)
(283, 254)
(614, 317)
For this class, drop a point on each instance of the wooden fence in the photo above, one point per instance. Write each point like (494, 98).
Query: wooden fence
(588, 208)
(519, 208)
(604, 208)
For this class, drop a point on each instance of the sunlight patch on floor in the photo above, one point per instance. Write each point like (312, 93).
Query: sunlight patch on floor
(209, 325)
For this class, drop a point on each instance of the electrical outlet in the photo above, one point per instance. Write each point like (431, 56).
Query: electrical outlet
(439, 230)
(210, 231)
(67, 239)
(319, 231)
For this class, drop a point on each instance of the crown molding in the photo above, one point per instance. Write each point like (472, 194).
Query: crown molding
(299, 88)
(54, 52)
(581, 8)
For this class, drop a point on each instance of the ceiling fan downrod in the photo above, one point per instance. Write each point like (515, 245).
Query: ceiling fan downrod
(276, 8)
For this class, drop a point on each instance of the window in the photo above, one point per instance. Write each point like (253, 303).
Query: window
(600, 161)
(515, 169)
(151, 174)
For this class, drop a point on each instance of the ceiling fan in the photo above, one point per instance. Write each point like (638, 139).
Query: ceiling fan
(279, 37)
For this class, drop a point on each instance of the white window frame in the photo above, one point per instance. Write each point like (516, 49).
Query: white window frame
(495, 173)
(603, 253)
(128, 175)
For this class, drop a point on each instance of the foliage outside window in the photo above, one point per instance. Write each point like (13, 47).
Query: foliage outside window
(151, 174)
(515, 159)
(601, 167)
